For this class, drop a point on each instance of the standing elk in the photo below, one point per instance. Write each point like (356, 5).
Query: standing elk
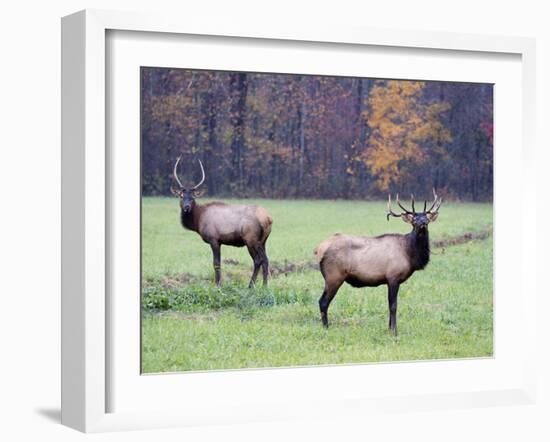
(220, 224)
(372, 261)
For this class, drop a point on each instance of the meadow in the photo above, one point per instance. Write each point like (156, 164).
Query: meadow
(444, 311)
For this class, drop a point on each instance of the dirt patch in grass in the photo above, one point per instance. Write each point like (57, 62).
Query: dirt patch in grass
(463, 238)
(173, 281)
(285, 268)
(170, 281)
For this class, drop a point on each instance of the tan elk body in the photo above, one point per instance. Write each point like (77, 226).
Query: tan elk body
(220, 224)
(364, 261)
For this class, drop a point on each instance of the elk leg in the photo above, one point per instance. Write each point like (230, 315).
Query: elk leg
(323, 307)
(256, 257)
(216, 252)
(392, 304)
(265, 265)
(325, 300)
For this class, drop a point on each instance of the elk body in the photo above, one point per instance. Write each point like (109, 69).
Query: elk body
(372, 261)
(220, 224)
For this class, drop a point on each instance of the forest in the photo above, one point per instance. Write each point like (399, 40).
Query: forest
(288, 136)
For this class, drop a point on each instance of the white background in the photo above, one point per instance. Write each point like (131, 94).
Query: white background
(30, 218)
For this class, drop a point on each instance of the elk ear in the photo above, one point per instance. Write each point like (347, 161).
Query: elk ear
(407, 217)
(197, 193)
(175, 192)
(432, 216)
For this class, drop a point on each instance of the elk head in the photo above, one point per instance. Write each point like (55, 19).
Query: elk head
(187, 195)
(419, 220)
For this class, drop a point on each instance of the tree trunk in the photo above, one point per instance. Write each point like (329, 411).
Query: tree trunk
(239, 86)
(301, 123)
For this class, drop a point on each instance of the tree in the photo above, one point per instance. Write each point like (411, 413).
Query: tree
(238, 88)
(312, 136)
(400, 123)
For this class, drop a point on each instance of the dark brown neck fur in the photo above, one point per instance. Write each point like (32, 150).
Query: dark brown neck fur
(418, 248)
(190, 220)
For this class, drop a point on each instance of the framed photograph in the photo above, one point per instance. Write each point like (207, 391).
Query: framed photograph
(224, 185)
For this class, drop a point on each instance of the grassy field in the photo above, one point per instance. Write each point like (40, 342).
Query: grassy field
(445, 311)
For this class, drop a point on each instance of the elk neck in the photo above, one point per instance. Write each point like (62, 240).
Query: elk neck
(418, 248)
(190, 220)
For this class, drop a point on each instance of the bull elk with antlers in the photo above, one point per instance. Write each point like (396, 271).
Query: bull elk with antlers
(220, 224)
(372, 261)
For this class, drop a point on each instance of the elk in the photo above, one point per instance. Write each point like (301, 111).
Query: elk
(220, 224)
(372, 261)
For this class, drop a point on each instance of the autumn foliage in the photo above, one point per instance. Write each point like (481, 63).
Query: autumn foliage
(288, 136)
(402, 130)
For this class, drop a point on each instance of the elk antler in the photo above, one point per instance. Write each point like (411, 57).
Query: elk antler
(176, 172)
(391, 212)
(203, 176)
(178, 180)
(402, 208)
(436, 204)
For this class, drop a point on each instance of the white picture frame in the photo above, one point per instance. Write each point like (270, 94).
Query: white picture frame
(86, 356)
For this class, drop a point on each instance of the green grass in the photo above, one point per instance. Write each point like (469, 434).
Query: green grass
(188, 323)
